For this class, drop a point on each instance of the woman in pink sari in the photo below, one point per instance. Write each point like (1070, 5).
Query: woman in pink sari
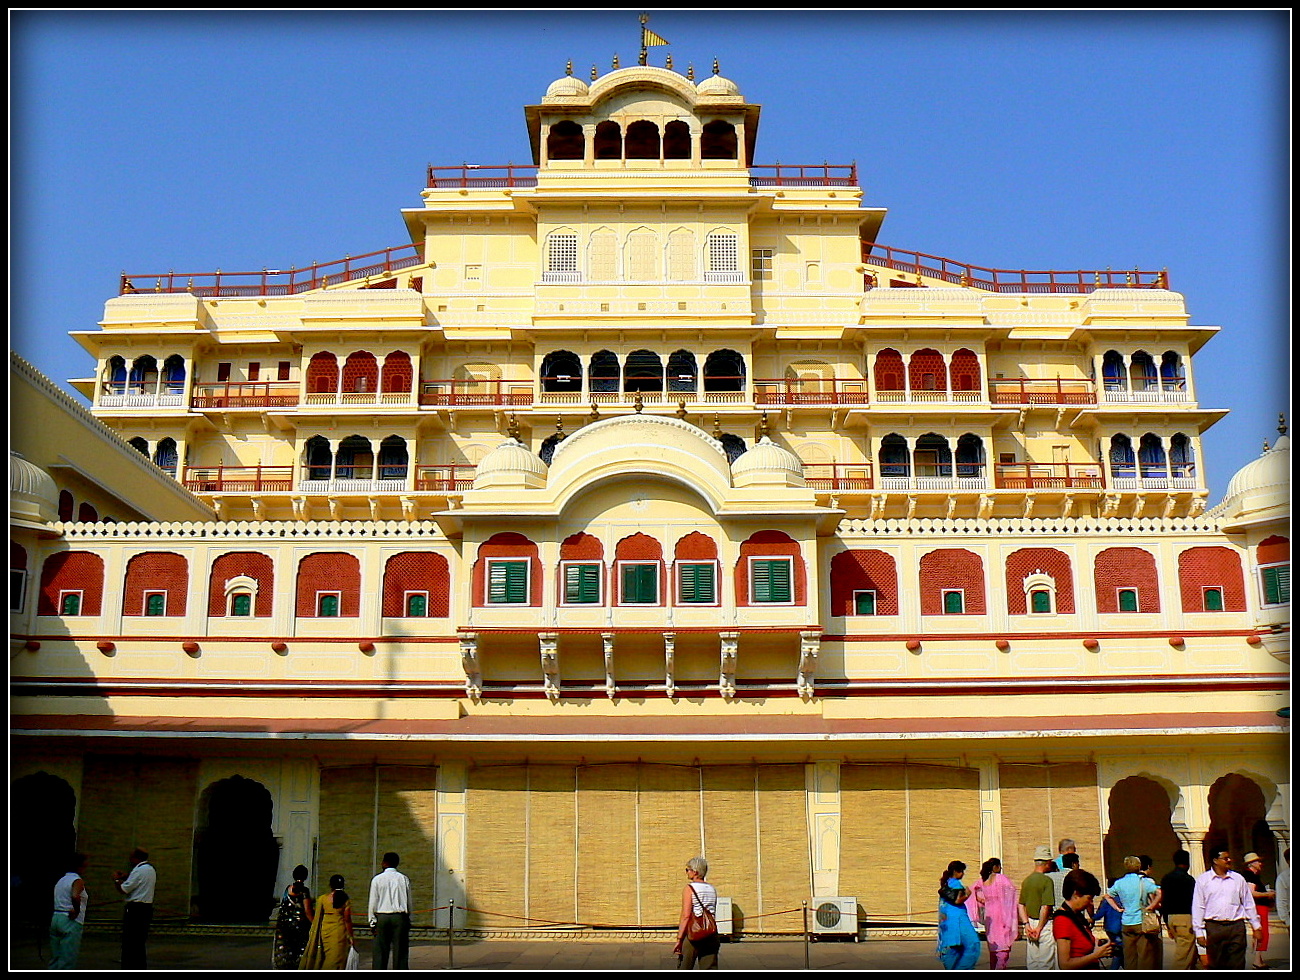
(996, 896)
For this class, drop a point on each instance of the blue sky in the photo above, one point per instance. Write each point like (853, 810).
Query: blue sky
(149, 141)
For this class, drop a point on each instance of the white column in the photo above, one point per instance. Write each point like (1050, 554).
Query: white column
(822, 792)
(449, 858)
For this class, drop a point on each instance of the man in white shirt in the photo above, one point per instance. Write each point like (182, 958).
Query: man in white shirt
(138, 886)
(390, 915)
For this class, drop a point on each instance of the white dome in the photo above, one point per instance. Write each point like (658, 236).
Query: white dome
(717, 85)
(766, 462)
(33, 494)
(566, 85)
(510, 464)
(1260, 490)
(1271, 469)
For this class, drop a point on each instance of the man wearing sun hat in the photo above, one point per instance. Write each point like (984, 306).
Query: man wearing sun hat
(1264, 901)
(1037, 900)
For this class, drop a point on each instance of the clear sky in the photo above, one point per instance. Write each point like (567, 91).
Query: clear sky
(143, 142)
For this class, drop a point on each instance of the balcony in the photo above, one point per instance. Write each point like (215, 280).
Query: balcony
(116, 394)
(814, 391)
(251, 394)
(928, 397)
(348, 399)
(1041, 391)
(794, 175)
(838, 477)
(1150, 392)
(1049, 476)
(448, 478)
(237, 479)
(341, 482)
(969, 476)
(628, 399)
(469, 175)
(473, 393)
(1156, 477)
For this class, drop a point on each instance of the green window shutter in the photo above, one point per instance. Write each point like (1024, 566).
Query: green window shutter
(1128, 600)
(696, 583)
(770, 580)
(1214, 600)
(640, 583)
(581, 584)
(508, 582)
(952, 602)
(1277, 584)
(71, 605)
(329, 605)
(864, 604)
(155, 604)
(1040, 601)
(417, 605)
(241, 604)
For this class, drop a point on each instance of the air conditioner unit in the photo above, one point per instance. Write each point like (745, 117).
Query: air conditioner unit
(722, 915)
(833, 916)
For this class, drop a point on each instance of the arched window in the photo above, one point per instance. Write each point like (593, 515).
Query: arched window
(639, 571)
(1034, 570)
(1142, 372)
(1210, 580)
(360, 373)
(140, 446)
(681, 372)
(397, 372)
(165, 456)
(952, 583)
(770, 570)
(507, 572)
(677, 140)
(888, 372)
(115, 376)
(561, 371)
(87, 513)
(1123, 463)
(718, 141)
(970, 456)
(895, 461)
(66, 505)
(1182, 463)
(733, 446)
(565, 141)
(682, 261)
(318, 458)
(562, 255)
(641, 256)
(144, 375)
(173, 374)
(926, 371)
(322, 373)
(1151, 457)
(602, 255)
(864, 583)
(416, 584)
(546, 452)
(932, 456)
(393, 458)
(1126, 580)
(965, 371)
(76, 573)
(604, 372)
(643, 371)
(1171, 372)
(642, 141)
(724, 370)
(156, 584)
(355, 459)
(722, 257)
(608, 142)
(1112, 370)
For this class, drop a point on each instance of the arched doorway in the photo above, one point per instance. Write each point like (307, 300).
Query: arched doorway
(236, 856)
(1140, 811)
(42, 834)
(1239, 823)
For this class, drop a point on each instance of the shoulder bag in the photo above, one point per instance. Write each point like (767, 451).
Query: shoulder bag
(701, 924)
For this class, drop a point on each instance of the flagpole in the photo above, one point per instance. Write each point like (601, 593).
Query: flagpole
(645, 54)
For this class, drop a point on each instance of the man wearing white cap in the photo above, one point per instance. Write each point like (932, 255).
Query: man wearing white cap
(1037, 899)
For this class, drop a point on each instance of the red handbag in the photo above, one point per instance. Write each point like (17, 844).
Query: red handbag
(701, 924)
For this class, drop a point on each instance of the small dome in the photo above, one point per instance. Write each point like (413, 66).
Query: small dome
(717, 85)
(566, 85)
(33, 494)
(766, 462)
(1270, 470)
(511, 464)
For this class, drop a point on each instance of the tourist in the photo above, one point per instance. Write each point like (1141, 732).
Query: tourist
(1176, 908)
(1135, 893)
(1284, 891)
(959, 943)
(69, 918)
(1222, 904)
(1265, 898)
(1036, 908)
(292, 922)
(1076, 949)
(995, 897)
(390, 915)
(331, 930)
(699, 913)
(138, 885)
(1111, 916)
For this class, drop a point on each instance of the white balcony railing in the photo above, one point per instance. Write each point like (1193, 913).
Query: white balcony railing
(352, 486)
(151, 400)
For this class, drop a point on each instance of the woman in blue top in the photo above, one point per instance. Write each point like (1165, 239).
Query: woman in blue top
(1132, 894)
(959, 943)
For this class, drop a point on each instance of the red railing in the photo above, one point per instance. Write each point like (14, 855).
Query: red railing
(1049, 476)
(794, 175)
(444, 479)
(237, 479)
(1010, 280)
(277, 282)
(1041, 391)
(461, 392)
(810, 391)
(838, 476)
(472, 175)
(250, 394)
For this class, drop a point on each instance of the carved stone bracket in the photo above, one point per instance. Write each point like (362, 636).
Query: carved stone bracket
(607, 642)
(670, 685)
(810, 642)
(549, 644)
(469, 661)
(727, 681)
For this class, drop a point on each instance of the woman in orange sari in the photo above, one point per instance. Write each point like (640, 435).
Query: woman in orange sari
(331, 931)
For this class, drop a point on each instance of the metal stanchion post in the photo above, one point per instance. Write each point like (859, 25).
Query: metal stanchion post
(451, 922)
(806, 938)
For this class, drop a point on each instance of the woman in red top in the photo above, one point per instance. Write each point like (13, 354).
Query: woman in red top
(1076, 948)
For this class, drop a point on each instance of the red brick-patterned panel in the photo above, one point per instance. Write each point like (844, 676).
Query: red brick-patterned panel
(507, 544)
(322, 373)
(1126, 568)
(888, 370)
(952, 568)
(965, 371)
(397, 372)
(252, 564)
(696, 547)
(361, 372)
(581, 547)
(71, 571)
(1211, 567)
(156, 571)
(417, 571)
(1272, 550)
(329, 571)
(923, 362)
(1025, 562)
(770, 544)
(864, 570)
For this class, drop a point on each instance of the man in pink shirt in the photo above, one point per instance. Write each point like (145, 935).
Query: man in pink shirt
(1222, 904)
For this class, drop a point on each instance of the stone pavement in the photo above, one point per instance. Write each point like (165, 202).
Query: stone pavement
(244, 952)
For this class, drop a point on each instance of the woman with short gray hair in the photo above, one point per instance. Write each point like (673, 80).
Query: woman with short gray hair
(698, 897)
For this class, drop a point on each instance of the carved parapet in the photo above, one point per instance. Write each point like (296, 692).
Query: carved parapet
(810, 642)
(549, 644)
(727, 681)
(469, 661)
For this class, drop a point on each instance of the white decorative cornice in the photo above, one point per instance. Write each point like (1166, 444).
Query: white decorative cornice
(1027, 528)
(255, 530)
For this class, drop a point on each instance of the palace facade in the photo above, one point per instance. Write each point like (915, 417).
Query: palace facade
(643, 505)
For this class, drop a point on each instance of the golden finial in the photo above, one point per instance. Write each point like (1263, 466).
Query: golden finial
(762, 426)
(512, 430)
(1281, 424)
(637, 403)
(668, 62)
(616, 62)
(1128, 279)
(594, 73)
(717, 427)
(189, 285)
(568, 67)
(690, 73)
(157, 287)
(595, 412)
(559, 428)
(1265, 445)
(681, 409)
(716, 68)
(127, 285)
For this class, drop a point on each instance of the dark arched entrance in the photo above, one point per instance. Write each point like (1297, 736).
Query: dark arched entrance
(1239, 824)
(1140, 811)
(42, 835)
(236, 856)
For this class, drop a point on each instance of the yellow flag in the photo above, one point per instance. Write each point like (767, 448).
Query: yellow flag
(649, 38)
